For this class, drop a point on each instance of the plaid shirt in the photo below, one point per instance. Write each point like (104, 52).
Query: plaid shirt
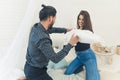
(40, 49)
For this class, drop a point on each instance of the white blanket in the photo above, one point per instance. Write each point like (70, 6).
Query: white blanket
(58, 74)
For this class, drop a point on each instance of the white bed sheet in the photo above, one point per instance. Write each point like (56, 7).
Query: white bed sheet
(58, 74)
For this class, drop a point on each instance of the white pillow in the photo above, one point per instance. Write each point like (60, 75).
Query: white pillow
(57, 40)
(60, 65)
(85, 36)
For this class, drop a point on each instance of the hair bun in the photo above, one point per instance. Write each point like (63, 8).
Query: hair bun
(43, 5)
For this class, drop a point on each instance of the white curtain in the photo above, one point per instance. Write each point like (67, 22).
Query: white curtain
(13, 62)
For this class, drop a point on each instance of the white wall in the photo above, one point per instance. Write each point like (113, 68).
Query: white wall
(105, 15)
(11, 15)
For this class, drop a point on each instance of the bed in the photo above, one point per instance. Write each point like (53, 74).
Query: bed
(56, 71)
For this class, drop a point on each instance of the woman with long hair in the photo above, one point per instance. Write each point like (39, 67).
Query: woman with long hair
(85, 55)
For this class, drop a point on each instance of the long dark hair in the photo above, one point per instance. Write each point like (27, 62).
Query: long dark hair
(87, 20)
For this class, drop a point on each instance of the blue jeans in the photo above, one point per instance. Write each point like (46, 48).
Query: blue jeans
(85, 58)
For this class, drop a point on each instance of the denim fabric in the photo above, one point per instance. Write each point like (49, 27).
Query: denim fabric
(85, 58)
(34, 73)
